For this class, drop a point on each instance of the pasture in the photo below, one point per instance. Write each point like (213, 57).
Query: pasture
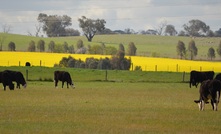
(128, 102)
(147, 45)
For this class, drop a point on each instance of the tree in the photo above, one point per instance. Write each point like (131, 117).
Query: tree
(193, 49)
(196, 28)
(161, 27)
(218, 33)
(51, 46)
(41, 45)
(6, 28)
(132, 49)
(2, 40)
(170, 30)
(71, 49)
(65, 47)
(31, 47)
(80, 47)
(211, 53)
(54, 25)
(11, 46)
(181, 49)
(90, 26)
(219, 49)
(121, 51)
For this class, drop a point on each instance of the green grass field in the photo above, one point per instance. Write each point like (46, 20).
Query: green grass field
(147, 45)
(129, 102)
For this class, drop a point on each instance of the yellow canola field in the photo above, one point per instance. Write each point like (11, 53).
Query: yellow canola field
(147, 63)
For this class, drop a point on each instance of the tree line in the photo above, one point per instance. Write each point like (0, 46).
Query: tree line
(54, 25)
(101, 49)
(192, 50)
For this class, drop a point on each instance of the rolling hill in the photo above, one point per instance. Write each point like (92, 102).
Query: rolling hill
(147, 45)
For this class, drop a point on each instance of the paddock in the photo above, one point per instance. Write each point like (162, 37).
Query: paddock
(106, 107)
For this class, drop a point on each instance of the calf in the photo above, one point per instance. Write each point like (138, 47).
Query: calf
(63, 76)
(209, 90)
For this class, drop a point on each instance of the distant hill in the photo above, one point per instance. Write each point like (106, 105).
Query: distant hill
(147, 45)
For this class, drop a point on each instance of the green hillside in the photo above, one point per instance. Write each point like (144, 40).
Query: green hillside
(147, 45)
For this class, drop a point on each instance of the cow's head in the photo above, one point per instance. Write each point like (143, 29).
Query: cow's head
(72, 85)
(193, 83)
(25, 85)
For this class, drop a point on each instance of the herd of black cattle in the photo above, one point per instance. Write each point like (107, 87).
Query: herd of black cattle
(209, 88)
(8, 76)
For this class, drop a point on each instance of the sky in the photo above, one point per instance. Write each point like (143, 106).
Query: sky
(21, 15)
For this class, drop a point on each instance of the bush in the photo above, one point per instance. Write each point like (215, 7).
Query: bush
(11, 46)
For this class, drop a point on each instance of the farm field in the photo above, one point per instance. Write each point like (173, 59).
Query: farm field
(106, 107)
(147, 45)
(127, 102)
(146, 63)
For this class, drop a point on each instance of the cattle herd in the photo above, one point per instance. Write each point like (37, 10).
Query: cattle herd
(209, 88)
(7, 77)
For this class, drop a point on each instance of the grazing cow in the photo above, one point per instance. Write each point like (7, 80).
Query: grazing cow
(63, 76)
(17, 77)
(209, 90)
(6, 80)
(198, 77)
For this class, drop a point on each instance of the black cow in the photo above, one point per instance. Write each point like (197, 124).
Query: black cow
(63, 76)
(209, 90)
(5, 79)
(197, 77)
(17, 77)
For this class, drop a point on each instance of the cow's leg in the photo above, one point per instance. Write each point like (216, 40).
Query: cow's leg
(56, 83)
(201, 105)
(215, 100)
(62, 84)
(4, 87)
(215, 105)
(67, 85)
(18, 85)
(212, 104)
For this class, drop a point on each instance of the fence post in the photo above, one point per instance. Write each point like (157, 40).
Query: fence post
(106, 75)
(155, 68)
(176, 67)
(26, 74)
(183, 76)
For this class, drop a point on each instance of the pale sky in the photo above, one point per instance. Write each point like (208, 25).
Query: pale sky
(21, 15)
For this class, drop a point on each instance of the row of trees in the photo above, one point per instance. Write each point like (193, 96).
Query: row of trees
(81, 49)
(54, 25)
(192, 50)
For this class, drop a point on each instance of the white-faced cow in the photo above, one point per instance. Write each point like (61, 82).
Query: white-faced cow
(17, 77)
(197, 77)
(63, 76)
(6, 80)
(209, 90)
